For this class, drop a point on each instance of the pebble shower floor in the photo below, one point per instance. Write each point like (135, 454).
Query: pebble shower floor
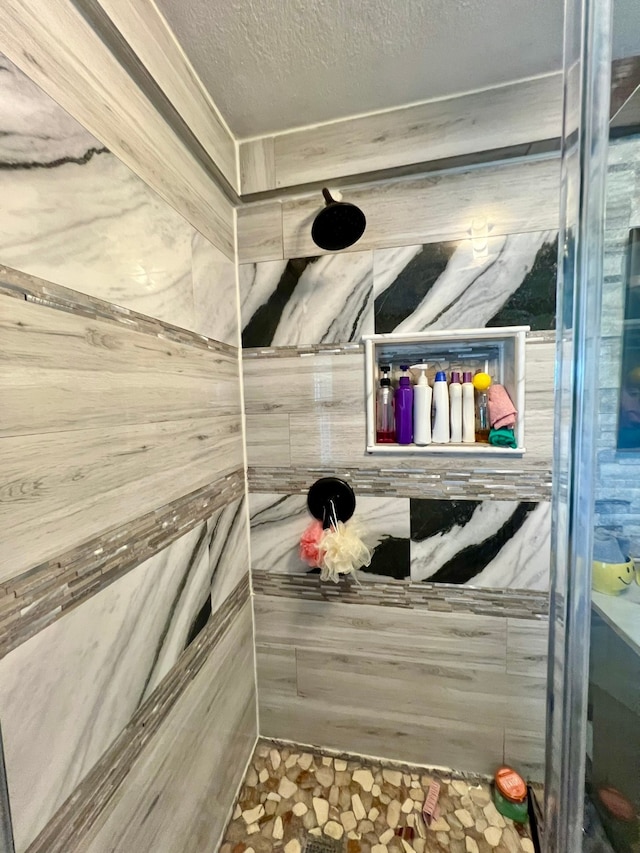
(299, 801)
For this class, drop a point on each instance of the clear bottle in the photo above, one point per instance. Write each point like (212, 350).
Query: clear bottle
(385, 417)
(404, 408)
(455, 407)
(482, 418)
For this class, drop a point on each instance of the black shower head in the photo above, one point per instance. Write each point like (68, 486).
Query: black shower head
(338, 225)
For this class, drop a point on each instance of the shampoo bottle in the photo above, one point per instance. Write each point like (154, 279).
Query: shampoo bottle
(455, 407)
(385, 420)
(422, 395)
(441, 408)
(468, 409)
(404, 408)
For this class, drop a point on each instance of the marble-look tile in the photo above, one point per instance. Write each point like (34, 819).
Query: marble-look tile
(62, 52)
(67, 692)
(24, 111)
(481, 543)
(315, 300)
(446, 286)
(75, 215)
(278, 521)
(180, 791)
(214, 292)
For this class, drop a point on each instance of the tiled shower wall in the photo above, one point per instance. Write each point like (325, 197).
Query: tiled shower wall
(618, 492)
(440, 653)
(126, 681)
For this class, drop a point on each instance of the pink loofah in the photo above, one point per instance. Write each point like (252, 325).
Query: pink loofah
(310, 551)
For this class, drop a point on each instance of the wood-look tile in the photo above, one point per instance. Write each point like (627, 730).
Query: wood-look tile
(59, 49)
(454, 640)
(276, 670)
(539, 399)
(260, 232)
(512, 197)
(149, 35)
(525, 750)
(527, 647)
(257, 165)
(393, 734)
(99, 375)
(61, 488)
(180, 790)
(304, 386)
(268, 438)
(480, 121)
(441, 691)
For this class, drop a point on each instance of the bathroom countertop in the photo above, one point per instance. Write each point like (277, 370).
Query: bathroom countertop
(622, 612)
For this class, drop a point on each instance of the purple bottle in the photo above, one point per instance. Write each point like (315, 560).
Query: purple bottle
(404, 408)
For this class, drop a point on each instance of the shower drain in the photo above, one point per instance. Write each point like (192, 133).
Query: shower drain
(323, 845)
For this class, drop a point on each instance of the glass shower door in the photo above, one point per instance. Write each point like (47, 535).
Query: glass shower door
(592, 794)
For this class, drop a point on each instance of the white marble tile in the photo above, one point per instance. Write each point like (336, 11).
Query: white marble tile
(497, 544)
(25, 111)
(68, 691)
(257, 282)
(214, 292)
(180, 791)
(75, 215)
(418, 289)
(278, 521)
(61, 51)
(318, 300)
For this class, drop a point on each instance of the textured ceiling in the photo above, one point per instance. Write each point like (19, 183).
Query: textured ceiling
(271, 65)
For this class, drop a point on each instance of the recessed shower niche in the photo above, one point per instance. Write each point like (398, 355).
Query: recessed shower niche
(499, 352)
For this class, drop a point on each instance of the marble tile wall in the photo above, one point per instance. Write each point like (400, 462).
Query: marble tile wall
(75, 215)
(66, 693)
(617, 492)
(125, 526)
(66, 53)
(479, 543)
(338, 298)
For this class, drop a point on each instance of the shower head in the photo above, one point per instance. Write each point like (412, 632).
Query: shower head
(338, 225)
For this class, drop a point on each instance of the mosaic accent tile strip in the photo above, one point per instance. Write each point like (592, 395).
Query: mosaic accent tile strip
(41, 292)
(481, 483)
(35, 599)
(544, 336)
(445, 598)
(295, 797)
(92, 797)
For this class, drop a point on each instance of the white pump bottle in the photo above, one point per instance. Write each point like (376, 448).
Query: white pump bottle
(422, 395)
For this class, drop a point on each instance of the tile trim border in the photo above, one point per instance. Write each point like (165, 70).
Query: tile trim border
(464, 483)
(541, 337)
(90, 800)
(39, 291)
(37, 598)
(443, 598)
